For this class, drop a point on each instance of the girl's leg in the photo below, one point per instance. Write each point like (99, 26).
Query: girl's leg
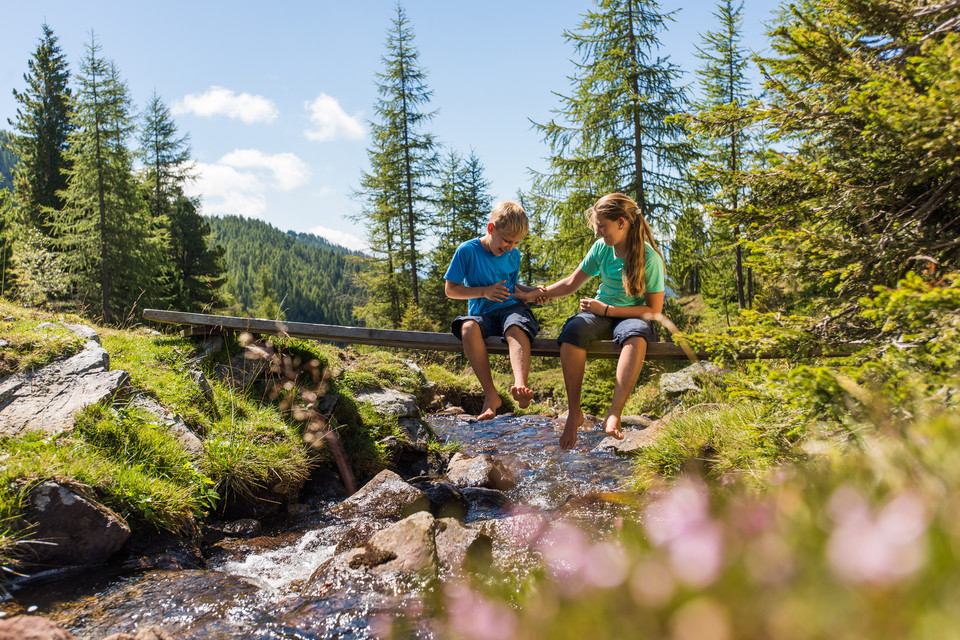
(632, 354)
(476, 351)
(573, 360)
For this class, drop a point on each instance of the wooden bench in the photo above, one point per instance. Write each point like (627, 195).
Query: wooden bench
(204, 324)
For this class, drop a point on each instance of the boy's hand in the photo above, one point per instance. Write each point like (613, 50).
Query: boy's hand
(496, 292)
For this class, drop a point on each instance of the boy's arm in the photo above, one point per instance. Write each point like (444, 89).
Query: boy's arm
(496, 292)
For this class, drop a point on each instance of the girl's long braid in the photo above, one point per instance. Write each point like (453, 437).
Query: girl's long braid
(634, 264)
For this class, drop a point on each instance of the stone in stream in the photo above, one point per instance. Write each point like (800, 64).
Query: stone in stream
(386, 496)
(446, 500)
(459, 546)
(411, 544)
(484, 503)
(633, 440)
(69, 528)
(480, 471)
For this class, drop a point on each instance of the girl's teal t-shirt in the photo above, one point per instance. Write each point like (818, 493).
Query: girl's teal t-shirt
(603, 261)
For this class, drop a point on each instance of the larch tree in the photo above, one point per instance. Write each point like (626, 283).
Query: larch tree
(722, 128)
(614, 131)
(42, 127)
(103, 230)
(397, 189)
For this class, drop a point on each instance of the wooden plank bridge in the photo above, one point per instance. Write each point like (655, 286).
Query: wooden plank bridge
(203, 324)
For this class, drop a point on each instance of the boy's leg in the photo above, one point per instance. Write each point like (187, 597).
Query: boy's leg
(573, 360)
(518, 343)
(632, 354)
(475, 349)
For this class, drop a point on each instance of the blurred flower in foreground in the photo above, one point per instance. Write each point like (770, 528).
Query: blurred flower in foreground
(882, 546)
(473, 616)
(680, 522)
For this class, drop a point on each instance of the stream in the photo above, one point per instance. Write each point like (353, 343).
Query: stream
(250, 588)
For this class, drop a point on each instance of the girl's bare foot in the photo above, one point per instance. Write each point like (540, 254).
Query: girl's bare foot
(523, 395)
(490, 406)
(612, 426)
(569, 436)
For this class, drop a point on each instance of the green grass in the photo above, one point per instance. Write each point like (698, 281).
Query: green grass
(27, 346)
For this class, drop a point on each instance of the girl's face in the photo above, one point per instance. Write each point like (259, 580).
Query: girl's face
(613, 232)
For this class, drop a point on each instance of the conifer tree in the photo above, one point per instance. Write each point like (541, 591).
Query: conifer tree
(103, 230)
(198, 265)
(722, 127)
(613, 132)
(43, 128)
(402, 167)
(463, 205)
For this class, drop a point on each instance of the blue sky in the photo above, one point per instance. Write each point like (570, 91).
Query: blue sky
(277, 96)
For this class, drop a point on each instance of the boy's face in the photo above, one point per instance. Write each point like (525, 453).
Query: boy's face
(500, 242)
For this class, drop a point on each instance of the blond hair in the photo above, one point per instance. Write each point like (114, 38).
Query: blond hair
(510, 218)
(614, 206)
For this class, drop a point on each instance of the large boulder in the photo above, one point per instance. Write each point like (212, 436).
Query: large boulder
(480, 471)
(459, 546)
(410, 543)
(633, 440)
(71, 529)
(678, 382)
(385, 496)
(48, 399)
(446, 500)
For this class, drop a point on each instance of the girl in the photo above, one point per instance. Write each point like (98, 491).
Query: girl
(630, 296)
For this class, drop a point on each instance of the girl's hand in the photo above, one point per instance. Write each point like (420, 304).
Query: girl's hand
(592, 305)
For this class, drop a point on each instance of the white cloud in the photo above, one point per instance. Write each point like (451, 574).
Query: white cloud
(285, 170)
(238, 183)
(220, 101)
(341, 238)
(226, 191)
(329, 121)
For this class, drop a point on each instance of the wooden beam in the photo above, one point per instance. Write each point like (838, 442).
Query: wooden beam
(200, 323)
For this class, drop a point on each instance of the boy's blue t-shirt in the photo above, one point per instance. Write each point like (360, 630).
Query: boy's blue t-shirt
(602, 260)
(472, 265)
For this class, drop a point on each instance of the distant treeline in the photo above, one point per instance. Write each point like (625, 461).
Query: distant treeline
(300, 275)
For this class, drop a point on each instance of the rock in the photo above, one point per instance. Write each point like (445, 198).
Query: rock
(85, 332)
(446, 501)
(589, 421)
(633, 440)
(71, 530)
(390, 402)
(174, 423)
(416, 429)
(200, 379)
(686, 379)
(48, 399)
(410, 459)
(242, 528)
(411, 544)
(641, 422)
(32, 628)
(243, 370)
(150, 633)
(385, 496)
(483, 502)
(522, 530)
(458, 546)
(480, 471)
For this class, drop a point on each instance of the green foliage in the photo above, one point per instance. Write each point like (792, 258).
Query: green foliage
(8, 160)
(38, 272)
(308, 282)
(862, 184)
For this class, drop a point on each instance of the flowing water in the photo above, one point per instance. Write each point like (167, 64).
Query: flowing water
(250, 588)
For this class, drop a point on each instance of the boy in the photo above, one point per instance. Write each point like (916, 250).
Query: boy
(484, 271)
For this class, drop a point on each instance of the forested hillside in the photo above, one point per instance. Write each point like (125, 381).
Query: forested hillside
(270, 272)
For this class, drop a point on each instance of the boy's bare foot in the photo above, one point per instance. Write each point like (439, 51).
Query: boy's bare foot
(611, 425)
(523, 396)
(490, 406)
(569, 436)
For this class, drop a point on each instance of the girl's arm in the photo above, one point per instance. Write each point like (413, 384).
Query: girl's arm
(647, 311)
(566, 286)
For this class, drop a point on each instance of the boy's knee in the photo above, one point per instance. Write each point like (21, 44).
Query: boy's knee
(515, 332)
(469, 328)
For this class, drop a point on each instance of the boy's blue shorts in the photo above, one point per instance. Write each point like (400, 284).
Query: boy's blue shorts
(498, 321)
(585, 327)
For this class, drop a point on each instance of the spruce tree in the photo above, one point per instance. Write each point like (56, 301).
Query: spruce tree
(613, 132)
(396, 190)
(42, 128)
